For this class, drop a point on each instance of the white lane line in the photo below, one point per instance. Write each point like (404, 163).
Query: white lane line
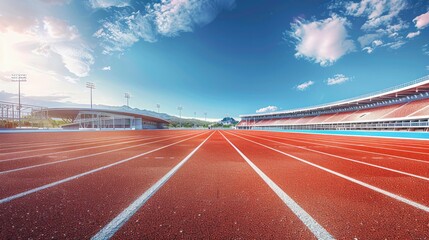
(359, 136)
(89, 155)
(358, 150)
(113, 226)
(34, 190)
(63, 144)
(369, 186)
(15, 144)
(312, 225)
(344, 158)
(363, 145)
(368, 143)
(74, 150)
(67, 146)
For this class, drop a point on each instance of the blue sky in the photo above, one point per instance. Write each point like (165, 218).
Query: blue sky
(223, 57)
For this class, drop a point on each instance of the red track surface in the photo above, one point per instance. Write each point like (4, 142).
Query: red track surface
(73, 185)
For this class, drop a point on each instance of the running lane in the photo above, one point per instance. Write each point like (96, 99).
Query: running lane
(217, 195)
(31, 159)
(27, 179)
(401, 163)
(409, 186)
(76, 209)
(364, 144)
(64, 148)
(344, 208)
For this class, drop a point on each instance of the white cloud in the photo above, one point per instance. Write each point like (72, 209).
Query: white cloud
(267, 109)
(368, 39)
(413, 34)
(395, 44)
(304, 85)
(109, 3)
(337, 79)
(125, 31)
(51, 37)
(425, 49)
(167, 18)
(76, 58)
(377, 43)
(378, 12)
(106, 68)
(58, 29)
(49, 50)
(323, 41)
(368, 49)
(368, 43)
(72, 79)
(173, 17)
(382, 22)
(422, 21)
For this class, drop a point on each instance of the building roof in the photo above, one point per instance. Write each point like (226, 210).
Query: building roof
(420, 85)
(72, 113)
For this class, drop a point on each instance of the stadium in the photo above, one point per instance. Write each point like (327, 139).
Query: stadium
(249, 119)
(400, 108)
(104, 119)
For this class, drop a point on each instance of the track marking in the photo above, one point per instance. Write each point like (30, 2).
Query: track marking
(63, 144)
(72, 140)
(367, 143)
(69, 145)
(369, 186)
(80, 149)
(363, 145)
(34, 190)
(89, 155)
(345, 135)
(358, 150)
(311, 224)
(344, 158)
(113, 226)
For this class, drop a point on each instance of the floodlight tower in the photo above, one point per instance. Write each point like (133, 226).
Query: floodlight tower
(180, 108)
(205, 116)
(91, 86)
(158, 106)
(19, 77)
(195, 118)
(127, 96)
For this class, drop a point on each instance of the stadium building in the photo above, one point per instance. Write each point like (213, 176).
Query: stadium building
(404, 107)
(102, 119)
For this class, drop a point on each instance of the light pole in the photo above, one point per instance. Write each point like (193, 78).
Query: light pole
(195, 118)
(19, 77)
(180, 108)
(127, 96)
(205, 116)
(158, 106)
(91, 86)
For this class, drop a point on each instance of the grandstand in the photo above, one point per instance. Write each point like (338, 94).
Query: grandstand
(404, 107)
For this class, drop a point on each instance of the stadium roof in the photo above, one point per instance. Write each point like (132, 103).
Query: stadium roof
(72, 113)
(420, 85)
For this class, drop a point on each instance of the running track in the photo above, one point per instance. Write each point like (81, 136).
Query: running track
(212, 184)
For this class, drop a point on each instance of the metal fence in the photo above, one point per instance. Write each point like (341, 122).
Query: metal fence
(422, 124)
(13, 115)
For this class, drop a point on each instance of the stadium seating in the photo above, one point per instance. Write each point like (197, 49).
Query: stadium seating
(400, 110)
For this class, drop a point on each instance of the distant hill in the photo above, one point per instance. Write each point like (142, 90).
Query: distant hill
(228, 121)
